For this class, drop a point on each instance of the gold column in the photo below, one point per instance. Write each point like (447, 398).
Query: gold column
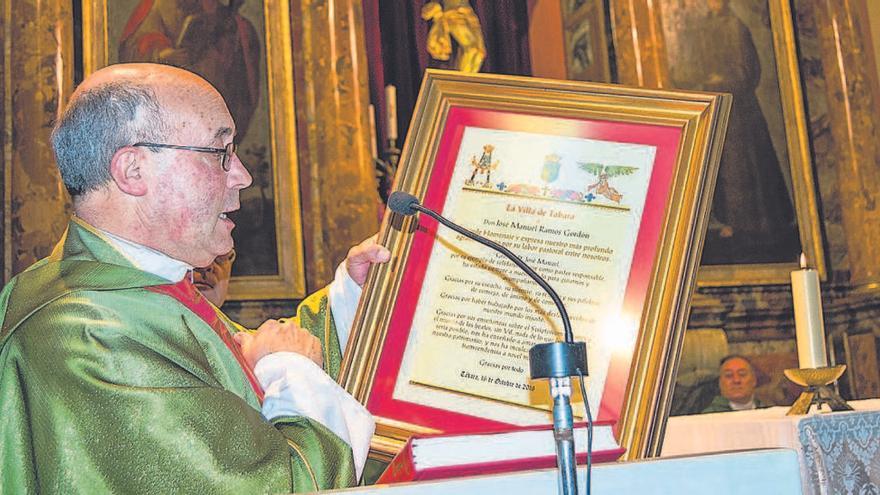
(852, 113)
(638, 41)
(340, 201)
(37, 78)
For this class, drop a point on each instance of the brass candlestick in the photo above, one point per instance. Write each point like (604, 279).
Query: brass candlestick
(816, 382)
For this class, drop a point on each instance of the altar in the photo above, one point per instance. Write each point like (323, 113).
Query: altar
(756, 472)
(838, 452)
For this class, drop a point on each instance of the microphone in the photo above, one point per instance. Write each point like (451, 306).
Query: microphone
(402, 202)
(557, 361)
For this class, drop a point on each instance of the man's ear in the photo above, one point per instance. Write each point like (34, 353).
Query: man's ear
(125, 168)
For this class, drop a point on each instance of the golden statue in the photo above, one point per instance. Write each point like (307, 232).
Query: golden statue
(457, 19)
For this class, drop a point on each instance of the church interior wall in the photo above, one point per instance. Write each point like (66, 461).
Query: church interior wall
(836, 56)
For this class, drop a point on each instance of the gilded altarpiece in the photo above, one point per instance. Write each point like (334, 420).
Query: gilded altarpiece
(37, 76)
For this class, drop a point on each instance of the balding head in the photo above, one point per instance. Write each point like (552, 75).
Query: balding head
(141, 148)
(115, 107)
(149, 74)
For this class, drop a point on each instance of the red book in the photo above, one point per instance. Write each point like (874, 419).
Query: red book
(428, 457)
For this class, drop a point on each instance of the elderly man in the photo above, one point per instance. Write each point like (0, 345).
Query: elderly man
(737, 384)
(116, 375)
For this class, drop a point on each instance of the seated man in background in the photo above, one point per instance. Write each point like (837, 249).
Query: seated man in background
(116, 375)
(737, 383)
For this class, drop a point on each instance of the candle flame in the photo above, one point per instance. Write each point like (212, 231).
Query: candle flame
(803, 261)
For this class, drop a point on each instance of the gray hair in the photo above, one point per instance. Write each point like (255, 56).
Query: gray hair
(736, 356)
(96, 124)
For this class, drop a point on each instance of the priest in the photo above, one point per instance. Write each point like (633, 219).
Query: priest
(116, 374)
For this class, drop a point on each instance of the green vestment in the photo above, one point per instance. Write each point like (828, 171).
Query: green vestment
(721, 404)
(106, 386)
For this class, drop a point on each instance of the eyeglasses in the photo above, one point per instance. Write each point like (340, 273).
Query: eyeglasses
(225, 160)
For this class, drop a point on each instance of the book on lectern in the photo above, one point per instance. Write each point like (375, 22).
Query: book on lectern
(438, 456)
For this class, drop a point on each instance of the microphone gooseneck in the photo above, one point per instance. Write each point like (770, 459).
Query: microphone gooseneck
(407, 204)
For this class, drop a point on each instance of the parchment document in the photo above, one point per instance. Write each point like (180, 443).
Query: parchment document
(571, 208)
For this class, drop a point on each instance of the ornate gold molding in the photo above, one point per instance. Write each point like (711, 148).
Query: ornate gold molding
(639, 45)
(332, 95)
(852, 121)
(37, 79)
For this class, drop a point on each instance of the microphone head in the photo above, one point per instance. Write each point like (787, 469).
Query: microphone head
(402, 202)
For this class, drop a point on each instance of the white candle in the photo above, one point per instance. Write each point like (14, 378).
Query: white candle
(372, 116)
(391, 111)
(809, 325)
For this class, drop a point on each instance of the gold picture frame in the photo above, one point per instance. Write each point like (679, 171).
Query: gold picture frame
(269, 235)
(647, 51)
(662, 270)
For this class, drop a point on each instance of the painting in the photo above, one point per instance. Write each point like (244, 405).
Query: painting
(602, 188)
(572, 6)
(763, 214)
(586, 41)
(243, 49)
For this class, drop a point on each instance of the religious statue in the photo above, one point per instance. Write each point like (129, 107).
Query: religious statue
(455, 19)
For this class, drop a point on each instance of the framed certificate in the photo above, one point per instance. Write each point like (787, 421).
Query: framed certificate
(603, 189)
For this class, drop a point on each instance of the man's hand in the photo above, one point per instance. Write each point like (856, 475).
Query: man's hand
(362, 256)
(278, 336)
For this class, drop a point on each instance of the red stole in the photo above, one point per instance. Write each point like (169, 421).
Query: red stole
(188, 295)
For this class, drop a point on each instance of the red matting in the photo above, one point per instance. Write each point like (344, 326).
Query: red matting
(666, 140)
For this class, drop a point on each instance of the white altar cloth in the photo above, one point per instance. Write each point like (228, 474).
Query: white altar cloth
(838, 452)
(757, 472)
(738, 430)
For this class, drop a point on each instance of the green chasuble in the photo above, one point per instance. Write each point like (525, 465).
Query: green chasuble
(106, 386)
(720, 404)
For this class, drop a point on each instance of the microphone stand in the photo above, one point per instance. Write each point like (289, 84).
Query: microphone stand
(556, 361)
(559, 361)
